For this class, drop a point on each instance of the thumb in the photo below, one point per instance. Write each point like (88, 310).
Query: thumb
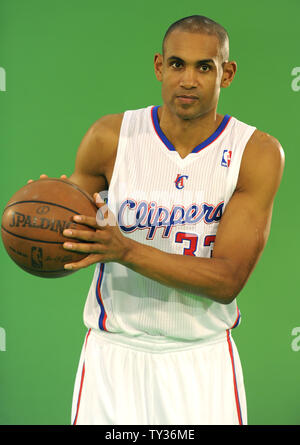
(102, 213)
(104, 216)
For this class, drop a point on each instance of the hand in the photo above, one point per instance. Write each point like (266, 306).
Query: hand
(45, 176)
(104, 245)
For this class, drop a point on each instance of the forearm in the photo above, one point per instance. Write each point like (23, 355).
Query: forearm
(208, 277)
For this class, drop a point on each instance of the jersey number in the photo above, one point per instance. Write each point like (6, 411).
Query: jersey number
(192, 238)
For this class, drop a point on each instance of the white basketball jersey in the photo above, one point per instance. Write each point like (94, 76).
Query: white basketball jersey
(174, 205)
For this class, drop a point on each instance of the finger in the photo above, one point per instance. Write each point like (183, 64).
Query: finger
(100, 197)
(41, 177)
(102, 215)
(102, 206)
(87, 220)
(100, 202)
(87, 261)
(83, 247)
(85, 235)
(44, 176)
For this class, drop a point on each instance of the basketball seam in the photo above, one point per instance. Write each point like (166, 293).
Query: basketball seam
(70, 184)
(32, 239)
(44, 271)
(42, 202)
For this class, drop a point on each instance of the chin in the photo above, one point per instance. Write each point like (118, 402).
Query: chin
(187, 113)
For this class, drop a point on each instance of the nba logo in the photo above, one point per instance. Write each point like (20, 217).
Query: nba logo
(37, 257)
(226, 158)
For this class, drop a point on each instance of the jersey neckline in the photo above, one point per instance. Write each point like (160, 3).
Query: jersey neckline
(204, 144)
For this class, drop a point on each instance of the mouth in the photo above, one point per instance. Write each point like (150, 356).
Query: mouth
(187, 99)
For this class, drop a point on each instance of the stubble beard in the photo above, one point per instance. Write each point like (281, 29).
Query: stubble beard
(188, 112)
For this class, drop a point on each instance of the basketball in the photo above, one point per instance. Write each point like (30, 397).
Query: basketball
(33, 222)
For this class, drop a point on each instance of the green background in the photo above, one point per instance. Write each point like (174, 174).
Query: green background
(68, 63)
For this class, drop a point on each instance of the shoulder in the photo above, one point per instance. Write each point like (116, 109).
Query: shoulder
(107, 128)
(99, 145)
(265, 145)
(103, 135)
(262, 162)
(265, 142)
(263, 151)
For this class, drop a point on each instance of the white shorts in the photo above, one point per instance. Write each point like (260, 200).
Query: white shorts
(128, 384)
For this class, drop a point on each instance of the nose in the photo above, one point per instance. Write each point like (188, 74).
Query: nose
(188, 78)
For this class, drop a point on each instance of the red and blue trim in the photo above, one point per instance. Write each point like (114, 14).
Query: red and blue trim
(238, 319)
(159, 131)
(103, 315)
(236, 392)
(199, 147)
(81, 382)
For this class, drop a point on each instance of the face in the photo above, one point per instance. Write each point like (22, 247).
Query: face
(191, 73)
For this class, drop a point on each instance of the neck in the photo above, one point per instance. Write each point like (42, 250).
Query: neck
(186, 134)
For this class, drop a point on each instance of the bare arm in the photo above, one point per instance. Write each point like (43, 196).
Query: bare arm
(241, 237)
(95, 155)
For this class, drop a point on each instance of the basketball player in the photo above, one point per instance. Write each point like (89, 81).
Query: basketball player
(190, 197)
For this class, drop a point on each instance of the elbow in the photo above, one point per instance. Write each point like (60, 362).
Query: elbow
(223, 292)
(225, 283)
(228, 288)
(225, 296)
(229, 297)
(234, 287)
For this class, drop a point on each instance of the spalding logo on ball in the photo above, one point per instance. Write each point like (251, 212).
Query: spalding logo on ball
(33, 222)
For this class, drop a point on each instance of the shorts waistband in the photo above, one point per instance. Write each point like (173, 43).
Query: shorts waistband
(154, 344)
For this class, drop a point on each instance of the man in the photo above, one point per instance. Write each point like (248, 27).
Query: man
(190, 197)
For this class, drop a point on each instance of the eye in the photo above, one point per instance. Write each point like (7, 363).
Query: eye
(175, 64)
(204, 68)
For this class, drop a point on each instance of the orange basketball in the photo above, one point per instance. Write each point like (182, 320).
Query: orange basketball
(33, 222)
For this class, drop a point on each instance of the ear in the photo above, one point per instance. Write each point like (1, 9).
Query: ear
(158, 64)
(229, 70)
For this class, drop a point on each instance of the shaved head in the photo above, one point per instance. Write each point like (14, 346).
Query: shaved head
(202, 25)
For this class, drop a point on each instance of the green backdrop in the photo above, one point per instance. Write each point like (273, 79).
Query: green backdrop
(63, 65)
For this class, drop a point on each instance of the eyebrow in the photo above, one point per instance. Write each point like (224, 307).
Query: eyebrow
(197, 63)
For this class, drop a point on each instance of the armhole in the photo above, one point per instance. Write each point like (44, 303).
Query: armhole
(234, 169)
(122, 144)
